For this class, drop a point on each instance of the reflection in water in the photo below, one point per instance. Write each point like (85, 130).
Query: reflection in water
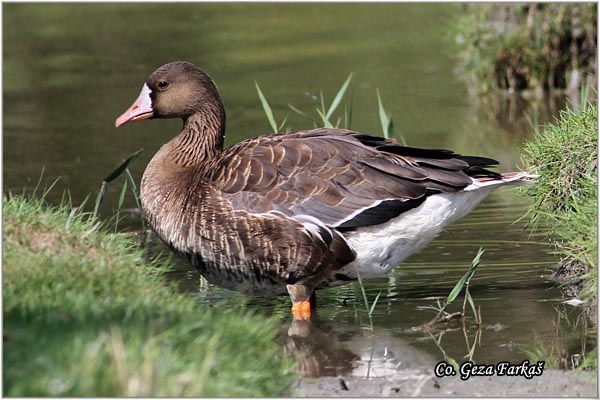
(516, 114)
(319, 350)
(331, 348)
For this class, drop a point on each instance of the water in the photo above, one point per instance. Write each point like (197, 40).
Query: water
(71, 69)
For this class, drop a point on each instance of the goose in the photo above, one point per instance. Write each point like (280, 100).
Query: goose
(291, 213)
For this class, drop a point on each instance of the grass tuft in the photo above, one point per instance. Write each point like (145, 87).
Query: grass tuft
(87, 314)
(565, 155)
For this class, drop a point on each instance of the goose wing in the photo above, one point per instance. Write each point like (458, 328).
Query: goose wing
(344, 179)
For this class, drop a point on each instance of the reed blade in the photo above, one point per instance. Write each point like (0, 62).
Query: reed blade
(119, 170)
(267, 108)
(338, 97)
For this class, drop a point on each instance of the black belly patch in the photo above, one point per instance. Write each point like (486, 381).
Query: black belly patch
(381, 213)
(342, 277)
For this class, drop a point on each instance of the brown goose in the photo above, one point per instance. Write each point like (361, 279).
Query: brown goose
(297, 211)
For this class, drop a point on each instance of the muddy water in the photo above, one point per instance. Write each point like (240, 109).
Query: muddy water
(70, 69)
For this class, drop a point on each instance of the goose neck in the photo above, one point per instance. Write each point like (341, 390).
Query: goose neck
(201, 138)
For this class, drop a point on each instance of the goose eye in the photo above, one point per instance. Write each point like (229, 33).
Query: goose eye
(163, 84)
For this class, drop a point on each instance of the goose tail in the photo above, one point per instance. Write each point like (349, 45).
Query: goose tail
(508, 178)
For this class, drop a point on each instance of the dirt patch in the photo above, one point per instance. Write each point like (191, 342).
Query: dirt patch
(45, 241)
(419, 383)
(38, 239)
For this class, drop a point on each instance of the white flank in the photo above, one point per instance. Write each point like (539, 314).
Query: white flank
(380, 248)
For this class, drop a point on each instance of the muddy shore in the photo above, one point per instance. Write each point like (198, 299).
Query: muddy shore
(421, 383)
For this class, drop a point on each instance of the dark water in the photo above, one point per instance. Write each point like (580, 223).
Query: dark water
(71, 69)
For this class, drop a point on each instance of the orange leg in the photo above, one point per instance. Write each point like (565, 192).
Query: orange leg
(303, 300)
(302, 310)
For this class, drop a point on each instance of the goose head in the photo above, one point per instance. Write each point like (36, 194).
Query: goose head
(175, 90)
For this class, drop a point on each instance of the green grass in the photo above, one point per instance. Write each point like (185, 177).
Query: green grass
(87, 314)
(565, 155)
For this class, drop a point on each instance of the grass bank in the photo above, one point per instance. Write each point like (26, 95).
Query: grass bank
(86, 314)
(565, 155)
(528, 46)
